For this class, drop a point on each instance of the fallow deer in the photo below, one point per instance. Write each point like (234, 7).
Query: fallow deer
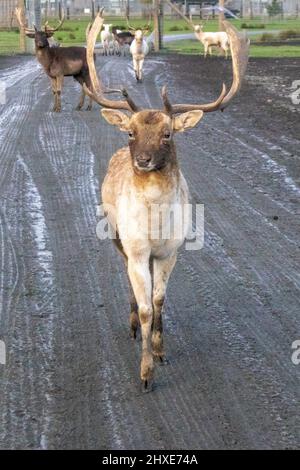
(58, 62)
(123, 38)
(209, 40)
(139, 49)
(145, 175)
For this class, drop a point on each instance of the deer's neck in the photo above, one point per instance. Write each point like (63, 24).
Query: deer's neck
(43, 56)
(166, 178)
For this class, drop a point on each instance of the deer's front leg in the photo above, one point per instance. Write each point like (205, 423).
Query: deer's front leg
(54, 91)
(140, 278)
(162, 269)
(59, 85)
(136, 68)
(141, 63)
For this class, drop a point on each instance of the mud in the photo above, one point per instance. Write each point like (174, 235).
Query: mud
(232, 311)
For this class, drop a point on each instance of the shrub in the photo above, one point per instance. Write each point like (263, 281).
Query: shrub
(289, 34)
(252, 26)
(267, 37)
(175, 28)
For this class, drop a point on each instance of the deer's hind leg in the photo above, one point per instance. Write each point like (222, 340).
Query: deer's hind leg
(80, 80)
(81, 100)
(89, 85)
(162, 269)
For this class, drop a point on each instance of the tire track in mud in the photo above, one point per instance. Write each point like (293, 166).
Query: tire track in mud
(73, 376)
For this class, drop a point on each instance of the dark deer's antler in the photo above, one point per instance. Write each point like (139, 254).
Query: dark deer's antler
(142, 28)
(48, 29)
(20, 18)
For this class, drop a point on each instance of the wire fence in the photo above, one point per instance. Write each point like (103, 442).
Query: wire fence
(73, 30)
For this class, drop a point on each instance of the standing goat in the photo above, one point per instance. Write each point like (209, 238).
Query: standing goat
(106, 37)
(58, 62)
(209, 40)
(143, 177)
(139, 49)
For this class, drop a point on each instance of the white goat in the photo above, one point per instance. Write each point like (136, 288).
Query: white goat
(106, 38)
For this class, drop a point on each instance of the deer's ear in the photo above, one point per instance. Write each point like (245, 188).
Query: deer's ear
(116, 118)
(186, 120)
(30, 35)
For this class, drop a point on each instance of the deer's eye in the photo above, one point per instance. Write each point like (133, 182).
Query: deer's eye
(131, 135)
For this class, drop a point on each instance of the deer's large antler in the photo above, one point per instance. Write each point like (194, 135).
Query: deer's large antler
(143, 28)
(97, 89)
(20, 19)
(48, 29)
(128, 25)
(239, 46)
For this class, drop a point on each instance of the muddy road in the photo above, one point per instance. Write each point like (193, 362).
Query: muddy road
(233, 309)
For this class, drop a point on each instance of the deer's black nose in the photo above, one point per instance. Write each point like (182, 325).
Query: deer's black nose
(143, 159)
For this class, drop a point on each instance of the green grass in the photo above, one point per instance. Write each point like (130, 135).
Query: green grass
(73, 32)
(192, 46)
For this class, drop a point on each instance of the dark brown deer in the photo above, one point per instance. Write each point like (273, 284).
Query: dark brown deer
(145, 176)
(58, 62)
(123, 38)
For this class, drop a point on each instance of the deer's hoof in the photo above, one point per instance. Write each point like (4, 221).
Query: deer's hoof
(78, 108)
(147, 386)
(133, 333)
(89, 108)
(161, 360)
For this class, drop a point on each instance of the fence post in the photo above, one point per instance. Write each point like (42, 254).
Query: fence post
(221, 15)
(158, 24)
(22, 31)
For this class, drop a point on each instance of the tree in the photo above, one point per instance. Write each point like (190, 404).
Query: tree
(274, 8)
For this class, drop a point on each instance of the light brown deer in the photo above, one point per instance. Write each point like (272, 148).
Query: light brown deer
(145, 176)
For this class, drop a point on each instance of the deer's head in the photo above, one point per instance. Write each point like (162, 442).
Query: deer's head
(198, 28)
(150, 134)
(40, 37)
(140, 32)
(151, 131)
